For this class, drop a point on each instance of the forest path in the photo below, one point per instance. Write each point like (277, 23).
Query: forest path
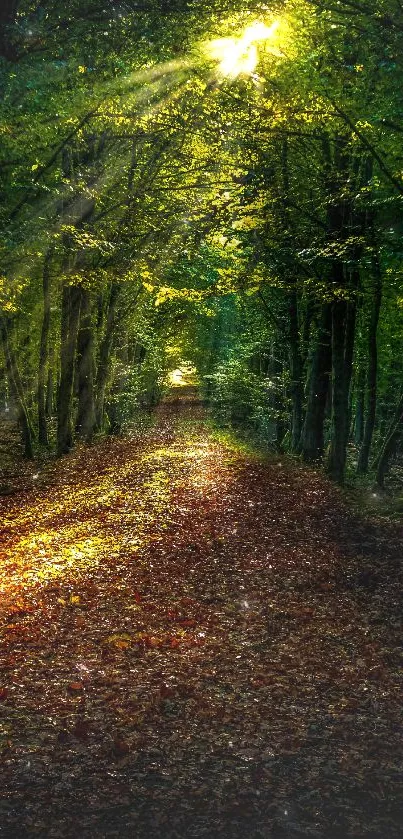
(196, 643)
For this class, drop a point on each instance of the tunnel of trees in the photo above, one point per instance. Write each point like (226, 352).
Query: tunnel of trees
(180, 180)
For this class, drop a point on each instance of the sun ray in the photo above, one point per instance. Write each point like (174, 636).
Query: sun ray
(240, 56)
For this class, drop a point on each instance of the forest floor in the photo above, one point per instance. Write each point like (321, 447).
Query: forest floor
(196, 642)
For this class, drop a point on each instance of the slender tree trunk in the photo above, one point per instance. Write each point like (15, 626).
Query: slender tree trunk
(343, 336)
(44, 353)
(337, 453)
(372, 372)
(294, 349)
(49, 404)
(343, 221)
(85, 422)
(349, 344)
(317, 390)
(359, 406)
(306, 329)
(389, 447)
(295, 361)
(277, 396)
(17, 392)
(69, 328)
(105, 355)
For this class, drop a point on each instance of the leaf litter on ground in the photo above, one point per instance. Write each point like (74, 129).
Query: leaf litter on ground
(197, 642)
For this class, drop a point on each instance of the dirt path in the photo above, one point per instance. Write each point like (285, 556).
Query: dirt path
(196, 643)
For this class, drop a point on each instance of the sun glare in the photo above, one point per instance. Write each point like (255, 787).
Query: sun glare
(176, 378)
(258, 31)
(239, 56)
(183, 376)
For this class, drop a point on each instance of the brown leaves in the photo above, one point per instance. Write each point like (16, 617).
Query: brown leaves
(175, 619)
(81, 729)
(120, 747)
(121, 641)
(75, 687)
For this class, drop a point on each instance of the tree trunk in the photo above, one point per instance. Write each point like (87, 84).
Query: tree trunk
(276, 397)
(50, 386)
(359, 406)
(318, 386)
(306, 329)
(295, 360)
(85, 422)
(294, 348)
(17, 392)
(69, 328)
(349, 344)
(8, 13)
(343, 221)
(44, 353)
(343, 334)
(372, 371)
(105, 355)
(390, 444)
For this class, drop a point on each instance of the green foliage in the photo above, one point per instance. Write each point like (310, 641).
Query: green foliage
(228, 210)
(240, 397)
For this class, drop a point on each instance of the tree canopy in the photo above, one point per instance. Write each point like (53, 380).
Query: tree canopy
(213, 183)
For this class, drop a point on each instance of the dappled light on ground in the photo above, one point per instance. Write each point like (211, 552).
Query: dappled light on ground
(196, 642)
(182, 377)
(68, 532)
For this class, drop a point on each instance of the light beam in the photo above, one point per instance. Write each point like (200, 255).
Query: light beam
(240, 56)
